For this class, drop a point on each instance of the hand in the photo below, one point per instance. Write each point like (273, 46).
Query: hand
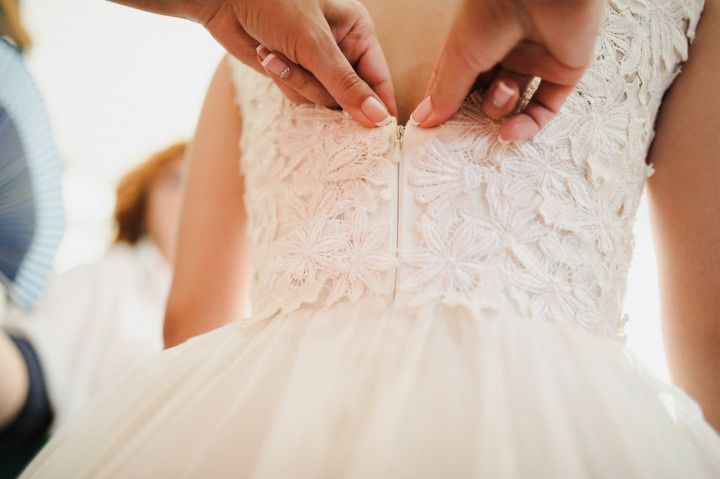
(314, 45)
(513, 40)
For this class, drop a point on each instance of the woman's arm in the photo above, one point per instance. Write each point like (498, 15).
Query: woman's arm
(685, 202)
(211, 279)
(14, 381)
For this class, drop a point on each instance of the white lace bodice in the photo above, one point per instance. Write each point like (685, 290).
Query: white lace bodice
(539, 228)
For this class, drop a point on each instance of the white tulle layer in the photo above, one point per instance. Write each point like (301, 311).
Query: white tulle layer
(366, 390)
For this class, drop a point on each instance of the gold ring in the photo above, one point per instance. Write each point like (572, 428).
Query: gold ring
(527, 95)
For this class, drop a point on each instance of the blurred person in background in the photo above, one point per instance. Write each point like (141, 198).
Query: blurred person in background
(11, 26)
(25, 410)
(94, 321)
(417, 310)
(99, 319)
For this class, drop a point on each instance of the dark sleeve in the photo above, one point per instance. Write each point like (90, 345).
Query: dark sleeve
(34, 419)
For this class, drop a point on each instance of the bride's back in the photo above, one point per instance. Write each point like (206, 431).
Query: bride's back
(411, 33)
(541, 228)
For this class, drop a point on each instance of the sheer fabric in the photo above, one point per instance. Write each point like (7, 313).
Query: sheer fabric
(428, 303)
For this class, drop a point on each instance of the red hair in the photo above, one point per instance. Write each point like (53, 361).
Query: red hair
(11, 25)
(133, 192)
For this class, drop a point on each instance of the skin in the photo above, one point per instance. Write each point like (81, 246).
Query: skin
(517, 39)
(497, 45)
(163, 209)
(684, 202)
(333, 56)
(14, 383)
(410, 70)
(211, 279)
(684, 198)
(325, 39)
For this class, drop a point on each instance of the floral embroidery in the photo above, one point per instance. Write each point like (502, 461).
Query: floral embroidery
(555, 214)
(451, 260)
(363, 263)
(446, 173)
(541, 228)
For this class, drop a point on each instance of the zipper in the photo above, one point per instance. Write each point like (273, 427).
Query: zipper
(399, 136)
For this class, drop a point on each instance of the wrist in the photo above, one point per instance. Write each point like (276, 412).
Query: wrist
(200, 11)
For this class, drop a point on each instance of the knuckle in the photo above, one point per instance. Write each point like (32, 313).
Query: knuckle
(357, 11)
(473, 59)
(350, 81)
(362, 22)
(361, 9)
(306, 45)
(365, 28)
(313, 37)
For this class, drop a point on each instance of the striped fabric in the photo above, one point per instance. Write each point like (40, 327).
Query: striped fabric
(32, 218)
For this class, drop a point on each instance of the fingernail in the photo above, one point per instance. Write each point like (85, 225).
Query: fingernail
(262, 51)
(375, 111)
(276, 66)
(422, 112)
(502, 94)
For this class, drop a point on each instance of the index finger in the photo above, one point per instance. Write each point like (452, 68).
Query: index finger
(373, 68)
(477, 42)
(334, 71)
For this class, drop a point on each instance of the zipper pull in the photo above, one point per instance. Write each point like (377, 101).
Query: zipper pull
(399, 132)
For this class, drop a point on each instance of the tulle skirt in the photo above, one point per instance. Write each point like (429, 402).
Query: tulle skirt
(368, 390)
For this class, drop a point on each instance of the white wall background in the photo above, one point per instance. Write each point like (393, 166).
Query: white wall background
(120, 84)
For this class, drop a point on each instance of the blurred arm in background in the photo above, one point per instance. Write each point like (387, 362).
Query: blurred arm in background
(13, 380)
(212, 265)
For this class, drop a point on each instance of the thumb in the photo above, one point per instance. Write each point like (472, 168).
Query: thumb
(479, 39)
(351, 92)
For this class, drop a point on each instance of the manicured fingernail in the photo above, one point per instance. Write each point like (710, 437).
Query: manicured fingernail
(375, 111)
(276, 66)
(422, 112)
(262, 51)
(502, 94)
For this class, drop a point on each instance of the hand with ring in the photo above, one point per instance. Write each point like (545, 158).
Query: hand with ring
(508, 44)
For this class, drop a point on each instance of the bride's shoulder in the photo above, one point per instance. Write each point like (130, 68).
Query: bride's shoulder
(248, 84)
(239, 72)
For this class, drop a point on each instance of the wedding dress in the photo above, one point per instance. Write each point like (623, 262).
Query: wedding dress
(427, 303)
